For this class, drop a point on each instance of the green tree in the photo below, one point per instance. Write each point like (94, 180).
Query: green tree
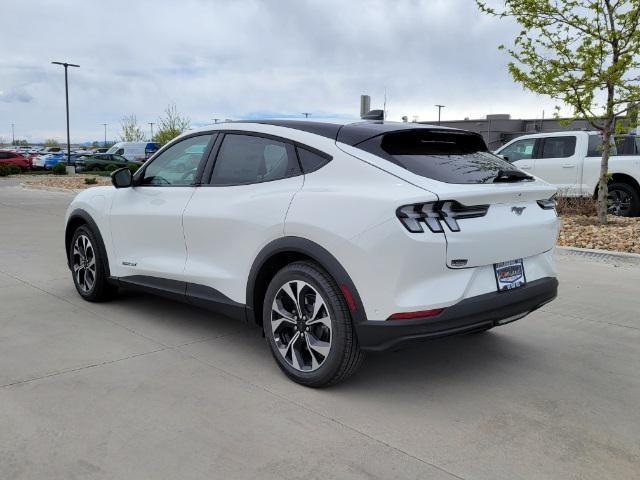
(51, 142)
(21, 143)
(171, 125)
(131, 131)
(582, 53)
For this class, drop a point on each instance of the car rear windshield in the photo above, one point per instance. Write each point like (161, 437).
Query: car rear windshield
(451, 157)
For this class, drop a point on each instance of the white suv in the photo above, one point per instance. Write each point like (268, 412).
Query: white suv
(333, 239)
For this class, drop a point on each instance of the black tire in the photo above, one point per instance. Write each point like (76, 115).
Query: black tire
(627, 197)
(100, 290)
(344, 355)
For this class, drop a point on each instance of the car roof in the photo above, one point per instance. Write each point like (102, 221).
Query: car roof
(350, 133)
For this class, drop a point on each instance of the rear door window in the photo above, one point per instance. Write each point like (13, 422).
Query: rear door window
(450, 157)
(558, 147)
(246, 159)
(595, 147)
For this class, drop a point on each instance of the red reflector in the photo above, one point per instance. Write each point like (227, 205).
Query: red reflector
(351, 303)
(420, 314)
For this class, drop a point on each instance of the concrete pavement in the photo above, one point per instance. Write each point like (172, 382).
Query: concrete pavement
(143, 387)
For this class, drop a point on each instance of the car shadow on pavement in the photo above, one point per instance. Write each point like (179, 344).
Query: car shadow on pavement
(494, 356)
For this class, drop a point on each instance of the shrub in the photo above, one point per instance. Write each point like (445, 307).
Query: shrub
(59, 169)
(576, 206)
(4, 170)
(90, 181)
(14, 169)
(111, 167)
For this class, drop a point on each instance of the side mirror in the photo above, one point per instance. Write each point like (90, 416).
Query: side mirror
(122, 178)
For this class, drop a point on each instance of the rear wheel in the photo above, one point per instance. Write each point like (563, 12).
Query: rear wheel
(87, 266)
(623, 200)
(308, 326)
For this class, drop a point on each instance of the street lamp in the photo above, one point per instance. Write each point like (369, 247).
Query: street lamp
(306, 114)
(13, 134)
(105, 133)
(66, 92)
(151, 124)
(440, 107)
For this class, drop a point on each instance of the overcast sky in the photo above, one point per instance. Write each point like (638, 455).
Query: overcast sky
(248, 59)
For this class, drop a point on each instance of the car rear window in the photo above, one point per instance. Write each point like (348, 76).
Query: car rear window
(450, 157)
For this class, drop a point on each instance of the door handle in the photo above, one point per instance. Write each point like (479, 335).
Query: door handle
(568, 166)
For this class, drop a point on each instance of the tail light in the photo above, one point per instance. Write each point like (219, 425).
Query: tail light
(434, 214)
(548, 204)
(413, 315)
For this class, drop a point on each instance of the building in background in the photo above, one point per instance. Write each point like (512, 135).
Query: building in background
(501, 128)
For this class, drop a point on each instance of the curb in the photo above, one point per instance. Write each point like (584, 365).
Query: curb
(601, 255)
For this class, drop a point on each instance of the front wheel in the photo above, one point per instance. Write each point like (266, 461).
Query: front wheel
(87, 266)
(308, 326)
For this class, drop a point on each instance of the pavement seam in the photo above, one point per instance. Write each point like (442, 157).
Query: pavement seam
(320, 414)
(568, 315)
(84, 309)
(77, 369)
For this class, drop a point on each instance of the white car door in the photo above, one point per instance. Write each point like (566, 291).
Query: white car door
(241, 208)
(146, 219)
(520, 153)
(558, 163)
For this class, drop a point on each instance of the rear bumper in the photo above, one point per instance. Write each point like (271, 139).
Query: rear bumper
(475, 313)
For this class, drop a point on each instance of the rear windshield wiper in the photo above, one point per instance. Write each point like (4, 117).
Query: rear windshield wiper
(511, 176)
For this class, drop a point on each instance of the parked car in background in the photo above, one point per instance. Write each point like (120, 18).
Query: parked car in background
(9, 157)
(52, 160)
(134, 151)
(40, 160)
(100, 150)
(571, 161)
(101, 161)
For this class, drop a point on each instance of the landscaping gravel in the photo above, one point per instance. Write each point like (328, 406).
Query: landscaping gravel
(620, 235)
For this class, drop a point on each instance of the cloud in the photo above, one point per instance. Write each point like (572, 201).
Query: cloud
(18, 95)
(242, 58)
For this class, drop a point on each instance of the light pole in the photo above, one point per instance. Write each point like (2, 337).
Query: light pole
(66, 93)
(440, 107)
(306, 114)
(151, 124)
(105, 134)
(13, 134)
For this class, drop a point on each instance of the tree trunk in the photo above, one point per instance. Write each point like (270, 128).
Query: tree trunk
(603, 189)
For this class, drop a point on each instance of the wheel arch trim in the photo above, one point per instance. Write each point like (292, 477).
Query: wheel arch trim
(80, 214)
(317, 253)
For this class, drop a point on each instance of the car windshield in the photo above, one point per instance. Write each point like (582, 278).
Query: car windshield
(450, 157)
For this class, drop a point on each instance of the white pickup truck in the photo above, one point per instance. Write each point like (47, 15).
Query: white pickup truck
(571, 161)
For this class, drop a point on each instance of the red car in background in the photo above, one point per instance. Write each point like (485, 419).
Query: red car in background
(23, 161)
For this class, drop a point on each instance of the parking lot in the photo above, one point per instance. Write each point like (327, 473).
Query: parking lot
(144, 387)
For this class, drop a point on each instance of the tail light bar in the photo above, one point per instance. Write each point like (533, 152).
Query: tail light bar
(548, 204)
(434, 214)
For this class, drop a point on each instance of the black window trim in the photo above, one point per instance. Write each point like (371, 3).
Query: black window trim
(205, 180)
(215, 135)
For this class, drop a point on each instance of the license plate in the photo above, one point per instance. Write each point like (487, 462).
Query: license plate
(510, 275)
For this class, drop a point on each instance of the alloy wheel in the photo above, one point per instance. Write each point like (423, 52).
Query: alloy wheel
(301, 326)
(618, 202)
(84, 263)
